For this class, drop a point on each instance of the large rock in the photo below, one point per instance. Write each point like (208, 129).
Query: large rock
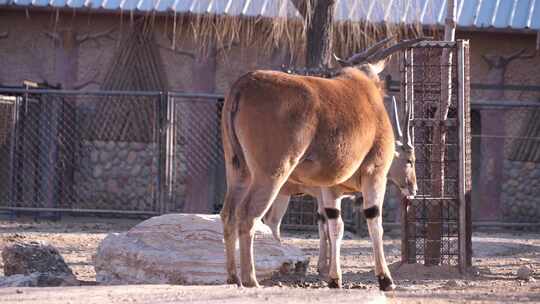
(185, 249)
(35, 264)
(26, 258)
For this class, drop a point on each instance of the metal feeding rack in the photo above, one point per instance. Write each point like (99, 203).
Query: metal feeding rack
(436, 224)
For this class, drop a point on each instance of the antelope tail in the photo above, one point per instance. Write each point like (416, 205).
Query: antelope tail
(237, 157)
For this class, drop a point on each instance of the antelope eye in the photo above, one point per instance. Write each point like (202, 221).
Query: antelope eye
(410, 162)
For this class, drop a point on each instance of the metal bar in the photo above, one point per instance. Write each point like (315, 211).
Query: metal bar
(173, 154)
(482, 86)
(505, 224)
(410, 210)
(462, 201)
(161, 128)
(505, 87)
(30, 209)
(13, 150)
(196, 95)
(504, 104)
(170, 150)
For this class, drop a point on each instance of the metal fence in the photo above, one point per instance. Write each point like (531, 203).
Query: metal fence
(151, 153)
(506, 161)
(113, 152)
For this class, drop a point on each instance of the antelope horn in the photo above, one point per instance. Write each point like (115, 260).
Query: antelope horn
(409, 142)
(361, 57)
(394, 48)
(397, 127)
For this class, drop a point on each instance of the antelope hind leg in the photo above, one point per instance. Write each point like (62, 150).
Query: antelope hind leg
(233, 197)
(274, 215)
(258, 199)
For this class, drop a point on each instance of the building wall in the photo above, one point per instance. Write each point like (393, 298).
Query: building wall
(29, 54)
(517, 199)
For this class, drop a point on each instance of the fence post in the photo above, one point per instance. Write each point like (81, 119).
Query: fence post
(161, 126)
(13, 153)
(464, 157)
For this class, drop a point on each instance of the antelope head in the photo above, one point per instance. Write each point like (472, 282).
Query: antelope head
(402, 171)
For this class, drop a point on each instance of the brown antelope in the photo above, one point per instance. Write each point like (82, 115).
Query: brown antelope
(401, 173)
(333, 134)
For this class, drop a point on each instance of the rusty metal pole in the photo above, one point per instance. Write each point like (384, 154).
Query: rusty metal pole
(434, 229)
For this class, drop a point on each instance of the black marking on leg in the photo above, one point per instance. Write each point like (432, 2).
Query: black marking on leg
(334, 283)
(371, 212)
(332, 213)
(385, 283)
(321, 218)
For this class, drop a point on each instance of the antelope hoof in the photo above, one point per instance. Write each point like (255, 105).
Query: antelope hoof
(334, 283)
(251, 283)
(386, 283)
(233, 279)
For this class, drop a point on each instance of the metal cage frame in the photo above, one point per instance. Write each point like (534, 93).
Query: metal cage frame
(436, 225)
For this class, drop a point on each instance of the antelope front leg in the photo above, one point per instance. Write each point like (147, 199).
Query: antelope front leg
(373, 190)
(332, 209)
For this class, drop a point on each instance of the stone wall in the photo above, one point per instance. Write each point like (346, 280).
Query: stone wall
(520, 193)
(116, 175)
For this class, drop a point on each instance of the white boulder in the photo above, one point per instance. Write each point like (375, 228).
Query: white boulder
(186, 249)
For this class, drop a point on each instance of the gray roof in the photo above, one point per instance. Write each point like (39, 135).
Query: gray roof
(481, 14)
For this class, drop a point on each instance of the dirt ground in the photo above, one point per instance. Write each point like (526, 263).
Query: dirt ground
(497, 256)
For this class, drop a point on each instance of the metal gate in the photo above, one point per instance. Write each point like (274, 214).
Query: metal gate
(436, 224)
(194, 175)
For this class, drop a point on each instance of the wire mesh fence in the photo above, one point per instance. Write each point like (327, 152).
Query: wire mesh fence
(506, 161)
(302, 213)
(66, 154)
(113, 152)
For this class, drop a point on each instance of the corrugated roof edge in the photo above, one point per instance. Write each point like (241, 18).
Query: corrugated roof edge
(137, 12)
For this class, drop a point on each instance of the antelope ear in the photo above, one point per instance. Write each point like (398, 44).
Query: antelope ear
(378, 66)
